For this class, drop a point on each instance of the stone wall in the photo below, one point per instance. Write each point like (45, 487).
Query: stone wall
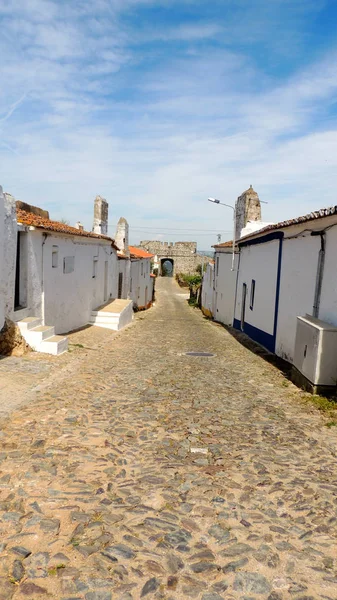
(101, 214)
(183, 254)
(11, 341)
(248, 208)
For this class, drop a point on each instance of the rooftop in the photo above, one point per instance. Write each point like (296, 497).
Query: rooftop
(31, 220)
(313, 216)
(139, 253)
(224, 245)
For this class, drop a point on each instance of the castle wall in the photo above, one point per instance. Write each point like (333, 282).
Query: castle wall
(184, 254)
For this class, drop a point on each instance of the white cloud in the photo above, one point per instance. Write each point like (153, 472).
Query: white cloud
(85, 111)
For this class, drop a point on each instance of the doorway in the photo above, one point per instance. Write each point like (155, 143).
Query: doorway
(21, 275)
(120, 285)
(166, 267)
(106, 273)
(243, 305)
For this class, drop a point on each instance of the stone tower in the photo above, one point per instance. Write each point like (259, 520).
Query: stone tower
(122, 236)
(101, 208)
(247, 208)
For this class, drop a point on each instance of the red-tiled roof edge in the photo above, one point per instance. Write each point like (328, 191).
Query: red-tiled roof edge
(228, 244)
(139, 253)
(313, 216)
(31, 220)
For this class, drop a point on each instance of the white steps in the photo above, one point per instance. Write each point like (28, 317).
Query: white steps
(115, 314)
(42, 338)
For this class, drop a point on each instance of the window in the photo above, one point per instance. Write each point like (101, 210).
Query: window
(252, 295)
(141, 268)
(68, 264)
(217, 265)
(55, 257)
(94, 267)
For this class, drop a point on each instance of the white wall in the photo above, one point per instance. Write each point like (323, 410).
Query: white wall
(2, 258)
(10, 239)
(328, 304)
(224, 287)
(207, 293)
(141, 282)
(124, 267)
(297, 289)
(258, 262)
(70, 297)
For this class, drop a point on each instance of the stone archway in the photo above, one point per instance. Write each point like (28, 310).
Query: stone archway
(167, 267)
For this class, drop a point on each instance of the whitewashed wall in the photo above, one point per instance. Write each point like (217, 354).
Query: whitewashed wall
(70, 297)
(9, 255)
(328, 304)
(124, 267)
(260, 263)
(224, 286)
(297, 288)
(66, 300)
(207, 293)
(2, 258)
(141, 282)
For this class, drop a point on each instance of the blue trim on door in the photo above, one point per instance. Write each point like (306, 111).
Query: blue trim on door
(261, 337)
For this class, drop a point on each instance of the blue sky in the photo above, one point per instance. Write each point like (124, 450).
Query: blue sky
(157, 105)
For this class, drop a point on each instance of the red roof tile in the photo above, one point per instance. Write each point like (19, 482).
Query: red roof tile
(139, 253)
(31, 220)
(224, 245)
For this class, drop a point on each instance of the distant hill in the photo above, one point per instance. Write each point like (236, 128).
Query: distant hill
(206, 253)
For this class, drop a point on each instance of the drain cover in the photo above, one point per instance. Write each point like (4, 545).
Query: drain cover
(199, 354)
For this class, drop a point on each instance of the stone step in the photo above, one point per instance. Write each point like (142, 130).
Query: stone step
(28, 323)
(37, 334)
(104, 318)
(56, 344)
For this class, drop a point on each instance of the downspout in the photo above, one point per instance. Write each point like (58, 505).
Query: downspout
(44, 235)
(319, 273)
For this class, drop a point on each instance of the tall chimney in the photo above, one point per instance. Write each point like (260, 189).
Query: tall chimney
(122, 236)
(248, 208)
(101, 208)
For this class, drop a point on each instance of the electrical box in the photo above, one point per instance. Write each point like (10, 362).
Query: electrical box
(315, 354)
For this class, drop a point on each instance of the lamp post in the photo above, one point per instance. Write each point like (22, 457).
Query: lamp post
(216, 201)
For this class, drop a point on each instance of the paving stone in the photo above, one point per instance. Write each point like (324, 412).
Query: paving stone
(100, 494)
(251, 582)
(150, 586)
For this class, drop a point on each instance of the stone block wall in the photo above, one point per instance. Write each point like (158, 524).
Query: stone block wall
(183, 254)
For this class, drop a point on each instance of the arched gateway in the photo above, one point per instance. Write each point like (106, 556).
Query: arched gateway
(182, 255)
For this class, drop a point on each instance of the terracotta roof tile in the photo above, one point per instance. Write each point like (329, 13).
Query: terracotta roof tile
(139, 253)
(224, 245)
(31, 220)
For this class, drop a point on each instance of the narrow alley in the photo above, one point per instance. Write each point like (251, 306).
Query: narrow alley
(147, 472)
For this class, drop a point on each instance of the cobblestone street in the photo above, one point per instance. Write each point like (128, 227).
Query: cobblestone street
(136, 471)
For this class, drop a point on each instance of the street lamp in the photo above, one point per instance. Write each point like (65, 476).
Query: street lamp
(216, 201)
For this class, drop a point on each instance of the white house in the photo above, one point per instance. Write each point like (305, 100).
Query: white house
(141, 281)
(207, 291)
(135, 280)
(57, 278)
(225, 270)
(247, 220)
(287, 270)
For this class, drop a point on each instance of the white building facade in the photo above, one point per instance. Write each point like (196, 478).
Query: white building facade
(286, 271)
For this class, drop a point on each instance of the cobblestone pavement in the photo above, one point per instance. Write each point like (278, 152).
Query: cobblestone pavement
(140, 472)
